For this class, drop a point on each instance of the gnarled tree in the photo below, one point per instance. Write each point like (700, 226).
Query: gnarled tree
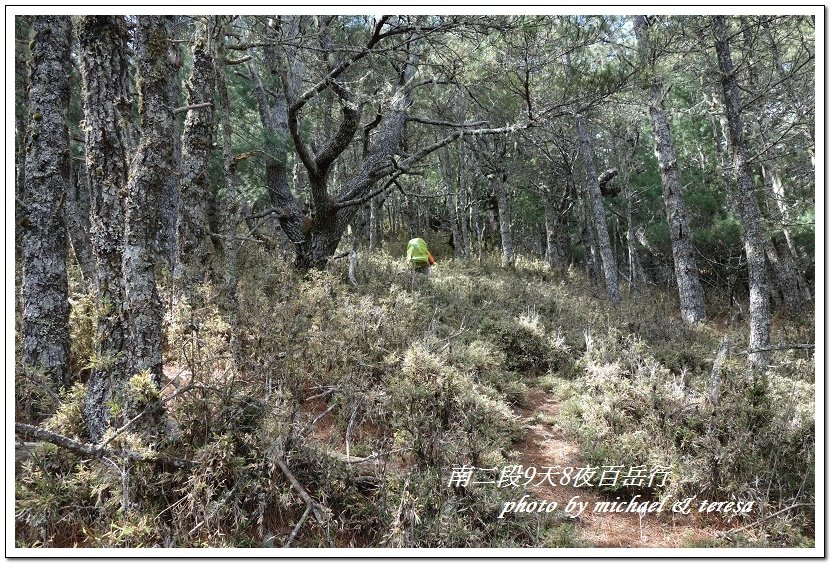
(333, 207)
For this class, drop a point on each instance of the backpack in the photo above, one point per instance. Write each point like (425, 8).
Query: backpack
(417, 254)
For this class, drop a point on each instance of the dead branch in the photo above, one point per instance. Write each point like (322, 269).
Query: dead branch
(325, 393)
(238, 61)
(297, 526)
(777, 348)
(441, 123)
(307, 429)
(146, 410)
(94, 452)
(311, 505)
(194, 106)
(764, 519)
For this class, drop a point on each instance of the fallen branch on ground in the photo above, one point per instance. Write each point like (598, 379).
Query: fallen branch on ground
(312, 506)
(764, 519)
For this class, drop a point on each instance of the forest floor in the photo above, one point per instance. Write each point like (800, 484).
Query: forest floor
(545, 445)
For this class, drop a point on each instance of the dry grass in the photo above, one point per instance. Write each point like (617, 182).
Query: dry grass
(419, 375)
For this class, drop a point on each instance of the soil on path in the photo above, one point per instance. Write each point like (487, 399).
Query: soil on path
(545, 445)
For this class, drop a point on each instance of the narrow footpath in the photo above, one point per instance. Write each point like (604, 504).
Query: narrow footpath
(545, 445)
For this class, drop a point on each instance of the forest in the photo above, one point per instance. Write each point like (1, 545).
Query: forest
(227, 334)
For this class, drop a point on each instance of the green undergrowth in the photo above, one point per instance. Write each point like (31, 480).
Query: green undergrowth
(373, 393)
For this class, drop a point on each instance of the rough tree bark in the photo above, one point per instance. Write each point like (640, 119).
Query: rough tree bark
(169, 206)
(588, 240)
(21, 116)
(192, 234)
(45, 330)
(103, 41)
(750, 214)
(685, 267)
(148, 169)
(491, 158)
(77, 222)
(230, 204)
(609, 263)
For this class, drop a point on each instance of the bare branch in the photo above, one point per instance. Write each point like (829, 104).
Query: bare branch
(764, 519)
(341, 68)
(440, 123)
(193, 106)
(311, 504)
(398, 168)
(341, 139)
(781, 347)
(238, 61)
(94, 452)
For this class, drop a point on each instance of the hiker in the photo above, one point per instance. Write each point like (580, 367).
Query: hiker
(418, 256)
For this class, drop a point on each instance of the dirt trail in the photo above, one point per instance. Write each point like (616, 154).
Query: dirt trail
(546, 446)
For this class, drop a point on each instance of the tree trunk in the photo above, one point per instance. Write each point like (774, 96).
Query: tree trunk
(166, 241)
(148, 170)
(449, 178)
(553, 251)
(792, 289)
(777, 201)
(375, 223)
(103, 41)
(588, 240)
(478, 231)
(464, 230)
(784, 274)
(230, 209)
(635, 266)
(77, 222)
(779, 212)
(334, 213)
(497, 181)
(192, 234)
(685, 267)
(21, 116)
(45, 330)
(609, 263)
(759, 316)
(274, 117)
